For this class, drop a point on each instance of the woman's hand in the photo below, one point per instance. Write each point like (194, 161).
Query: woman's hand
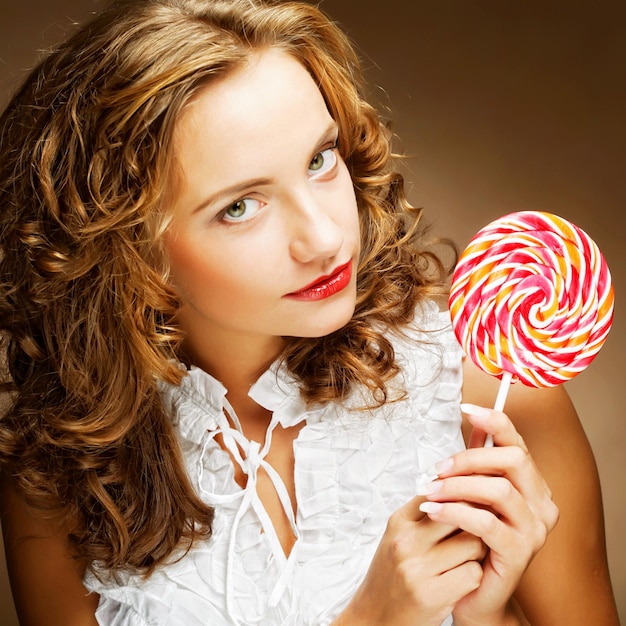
(420, 571)
(497, 495)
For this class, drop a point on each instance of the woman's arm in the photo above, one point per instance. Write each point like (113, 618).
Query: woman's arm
(45, 580)
(568, 581)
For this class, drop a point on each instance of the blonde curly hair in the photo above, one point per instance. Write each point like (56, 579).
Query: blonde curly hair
(86, 310)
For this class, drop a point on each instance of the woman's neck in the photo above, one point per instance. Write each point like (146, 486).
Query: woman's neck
(237, 365)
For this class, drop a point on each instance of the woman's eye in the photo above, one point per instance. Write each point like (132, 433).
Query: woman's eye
(323, 161)
(241, 210)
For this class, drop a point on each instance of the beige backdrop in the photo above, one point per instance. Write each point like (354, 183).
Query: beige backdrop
(503, 106)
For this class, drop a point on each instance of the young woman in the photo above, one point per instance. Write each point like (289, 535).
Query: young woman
(233, 398)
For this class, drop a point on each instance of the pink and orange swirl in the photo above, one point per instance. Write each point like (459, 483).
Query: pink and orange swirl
(531, 295)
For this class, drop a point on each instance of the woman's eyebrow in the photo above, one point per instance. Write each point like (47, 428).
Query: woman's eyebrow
(331, 131)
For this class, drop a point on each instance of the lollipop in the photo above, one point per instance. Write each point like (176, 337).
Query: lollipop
(531, 300)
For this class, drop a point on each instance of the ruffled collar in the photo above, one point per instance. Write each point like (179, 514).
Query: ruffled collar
(278, 391)
(275, 390)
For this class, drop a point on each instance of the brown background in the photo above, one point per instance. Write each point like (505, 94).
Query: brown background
(503, 105)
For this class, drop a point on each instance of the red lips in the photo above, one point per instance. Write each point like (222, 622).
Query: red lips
(325, 286)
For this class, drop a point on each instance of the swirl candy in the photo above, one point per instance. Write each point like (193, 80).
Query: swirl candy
(531, 299)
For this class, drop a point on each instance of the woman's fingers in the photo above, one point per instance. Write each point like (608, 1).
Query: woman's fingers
(526, 490)
(446, 589)
(512, 462)
(450, 505)
(437, 546)
(493, 492)
(420, 571)
(494, 423)
(522, 539)
(404, 521)
(456, 550)
(509, 458)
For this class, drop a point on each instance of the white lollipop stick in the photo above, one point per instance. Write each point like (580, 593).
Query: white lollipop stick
(503, 391)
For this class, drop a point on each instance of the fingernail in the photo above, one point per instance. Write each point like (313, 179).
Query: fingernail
(428, 489)
(431, 507)
(440, 467)
(476, 411)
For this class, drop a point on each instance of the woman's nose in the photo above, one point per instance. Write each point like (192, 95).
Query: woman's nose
(314, 234)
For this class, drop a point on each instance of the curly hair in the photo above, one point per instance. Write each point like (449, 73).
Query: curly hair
(86, 309)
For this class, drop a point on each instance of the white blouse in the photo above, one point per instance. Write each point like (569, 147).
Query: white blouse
(353, 468)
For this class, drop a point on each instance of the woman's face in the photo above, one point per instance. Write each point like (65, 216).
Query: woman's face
(264, 239)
